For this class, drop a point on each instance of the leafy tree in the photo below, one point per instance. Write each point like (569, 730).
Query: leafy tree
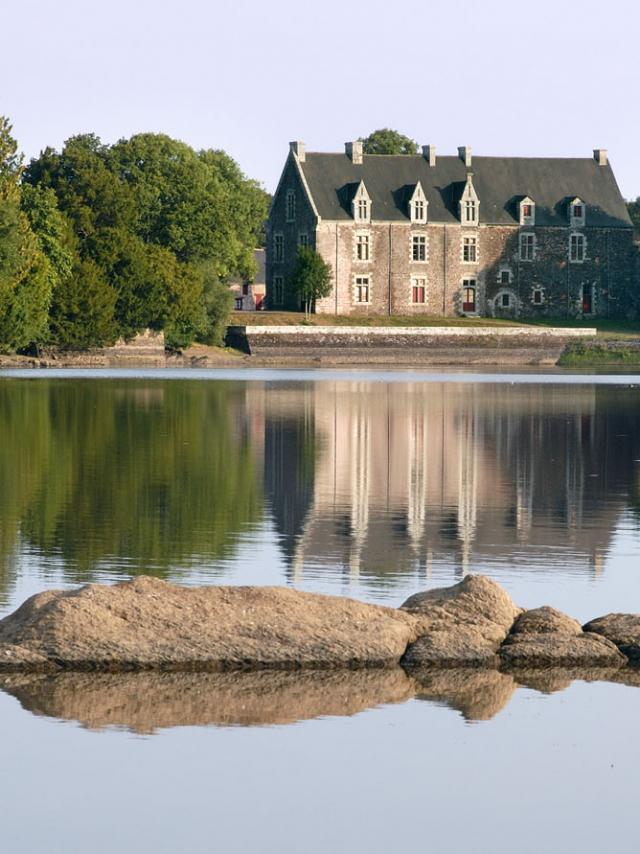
(634, 213)
(82, 309)
(311, 277)
(25, 273)
(218, 302)
(388, 141)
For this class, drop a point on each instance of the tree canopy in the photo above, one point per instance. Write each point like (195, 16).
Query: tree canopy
(311, 277)
(99, 242)
(634, 213)
(388, 141)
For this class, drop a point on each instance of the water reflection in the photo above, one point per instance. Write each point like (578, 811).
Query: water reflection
(146, 702)
(357, 480)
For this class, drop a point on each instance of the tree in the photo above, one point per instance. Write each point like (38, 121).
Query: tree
(82, 309)
(25, 272)
(634, 213)
(388, 141)
(218, 302)
(311, 277)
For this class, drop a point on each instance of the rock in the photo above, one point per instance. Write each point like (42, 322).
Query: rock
(146, 701)
(151, 624)
(477, 694)
(461, 646)
(17, 658)
(621, 629)
(461, 625)
(553, 649)
(545, 620)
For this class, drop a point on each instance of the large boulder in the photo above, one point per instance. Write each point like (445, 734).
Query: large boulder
(551, 649)
(151, 624)
(621, 629)
(461, 625)
(545, 637)
(545, 620)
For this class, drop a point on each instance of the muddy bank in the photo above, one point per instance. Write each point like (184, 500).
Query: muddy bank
(152, 625)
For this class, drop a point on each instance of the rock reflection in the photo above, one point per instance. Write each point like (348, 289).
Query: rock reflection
(146, 702)
(477, 694)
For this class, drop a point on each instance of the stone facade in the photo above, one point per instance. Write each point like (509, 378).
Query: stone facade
(387, 264)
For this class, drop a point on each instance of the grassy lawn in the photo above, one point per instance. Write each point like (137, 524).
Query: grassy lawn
(607, 329)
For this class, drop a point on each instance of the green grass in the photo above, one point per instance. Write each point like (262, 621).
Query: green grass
(594, 353)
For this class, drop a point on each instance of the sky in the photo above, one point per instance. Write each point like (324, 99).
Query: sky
(552, 78)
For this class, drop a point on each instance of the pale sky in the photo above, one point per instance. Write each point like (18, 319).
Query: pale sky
(550, 78)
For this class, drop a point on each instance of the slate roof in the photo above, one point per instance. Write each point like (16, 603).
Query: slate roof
(500, 182)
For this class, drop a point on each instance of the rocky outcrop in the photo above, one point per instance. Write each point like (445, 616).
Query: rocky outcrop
(150, 624)
(544, 637)
(621, 629)
(460, 626)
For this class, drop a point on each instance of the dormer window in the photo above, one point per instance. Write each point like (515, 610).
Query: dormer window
(469, 211)
(577, 213)
(361, 205)
(469, 203)
(418, 205)
(527, 211)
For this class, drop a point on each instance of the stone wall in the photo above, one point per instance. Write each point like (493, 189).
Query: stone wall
(607, 271)
(408, 345)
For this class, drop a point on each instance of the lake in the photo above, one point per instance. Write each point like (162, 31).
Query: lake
(366, 484)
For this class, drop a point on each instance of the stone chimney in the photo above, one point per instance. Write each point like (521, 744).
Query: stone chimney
(354, 151)
(298, 149)
(600, 156)
(464, 153)
(429, 153)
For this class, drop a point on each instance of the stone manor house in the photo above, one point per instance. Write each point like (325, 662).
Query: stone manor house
(455, 235)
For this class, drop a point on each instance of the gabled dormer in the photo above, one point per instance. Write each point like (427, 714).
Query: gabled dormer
(469, 203)
(577, 212)
(361, 204)
(527, 211)
(418, 205)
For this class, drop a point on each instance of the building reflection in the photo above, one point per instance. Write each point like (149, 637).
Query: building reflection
(405, 474)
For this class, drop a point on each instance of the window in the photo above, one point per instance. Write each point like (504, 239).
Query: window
(537, 297)
(238, 303)
(291, 206)
(363, 247)
(362, 210)
(418, 291)
(527, 247)
(505, 277)
(577, 212)
(361, 289)
(470, 210)
(419, 211)
(418, 247)
(469, 295)
(527, 211)
(470, 250)
(278, 290)
(577, 248)
(278, 248)
(505, 300)
(303, 239)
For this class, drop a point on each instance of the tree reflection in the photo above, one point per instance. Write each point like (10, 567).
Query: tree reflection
(139, 476)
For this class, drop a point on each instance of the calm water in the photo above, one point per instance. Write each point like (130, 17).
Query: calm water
(371, 485)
